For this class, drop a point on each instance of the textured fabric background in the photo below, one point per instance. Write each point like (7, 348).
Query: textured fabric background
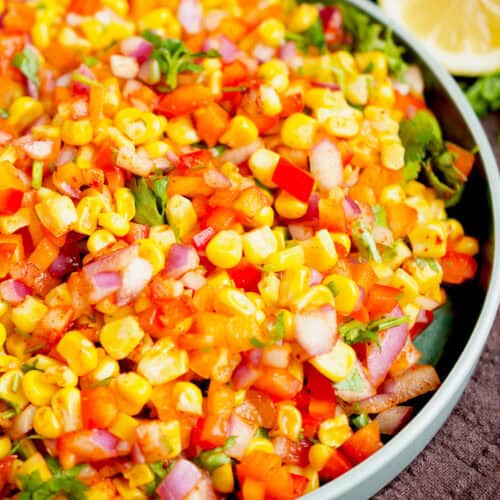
(463, 460)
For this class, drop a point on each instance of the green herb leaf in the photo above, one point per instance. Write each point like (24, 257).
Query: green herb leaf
(312, 37)
(257, 343)
(27, 367)
(90, 61)
(484, 94)
(354, 331)
(364, 241)
(277, 332)
(150, 202)
(213, 459)
(28, 63)
(380, 215)
(78, 77)
(360, 420)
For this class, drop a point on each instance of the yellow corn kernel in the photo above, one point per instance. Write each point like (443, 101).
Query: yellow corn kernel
(61, 375)
(427, 273)
(407, 284)
(35, 463)
(107, 368)
(467, 245)
(37, 389)
(289, 421)
(219, 279)
(375, 61)
(5, 446)
(99, 240)
(115, 223)
(138, 126)
(429, 240)
(334, 431)
(223, 479)
(57, 213)
(392, 154)
(162, 236)
(119, 6)
(153, 253)
(298, 131)
(28, 314)
(225, 249)
(454, 229)
(275, 73)
(3, 335)
(285, 259)
(346, 292)
(77, 132)
(269, 287)
(383, 94)
(336, 364)
(392, 194)
(302, 18)
(126, 492)
(188, 398)
(11, 390)
(294, 283)
(124, 427)
(341, 123)
(259, 444)
(23, 112)
(270, 101)
(400, 252)
(343, 240)
(264, 217)
(233, 302)
(138, 475)
(259, 244)
(163, 362)
(181, 131)
(11, 223)
(315, 98)
(271, 32)
(8, 362)
(87, 211)
(3, 308)
(181, 215)
(157, 149)
(262, 163)
(296, 368)
(281, 234)
(241, 131)
(356, 89)
(319, 251)
(125, 204)
(67, 407)
(289, 207)
(132, 392)
(318, 455)
(120, 337)
(314, 297)
(16, 346)
(78, 352)
(161, 20)
(46, 423)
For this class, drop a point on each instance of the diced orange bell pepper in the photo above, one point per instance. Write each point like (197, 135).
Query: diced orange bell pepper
(253, 490)
(464, 159)
(99, 408)
(278, 383)
(382, 299)
(184, 100)
(458, 267)
(84, 7)
(408, 103)
(336, 465)
(211, 122)
(19, 17)
(363, 443)
(401, 219)
(258, 465)
(362, 273)
(44, 254)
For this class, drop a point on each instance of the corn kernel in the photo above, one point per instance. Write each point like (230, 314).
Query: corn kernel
(356, 89)
(314, 297)
(272, 32)
(5, 446)
(132, 392)
(375, 60)
(262, 163)
(336, 364)
(233, 302)
(223, 479)
(28, 314)
(15, 345)
(87, 211)
(264, 217)
(125, 204)
(46, 424)
(289, 421)
(319, 251)
(259, 244)
(126, 492)
(467, 245)
(153, 253)
(334, 431)
(37, 389)
(393, 155)
(157, 149)
(163, 362)
(427, 274)
(315, 98)
(162, 236)
(298, 131)
(9, 382)
(241, 132)
(429, 240)
(225, 249)
(124, 427)
(318, 455)
(78, 352)
(407, 284)
(67, 407)
(346, 292)
(181, 131)
(188, 398)
(275, 73)
(289, 207)
(99, 240)
(285, 259)
(138, 475)
(57, 213)
(115, 223)
(270, 101)
(77, 133)
(454, 229)
(120, 337)
(161, 20)
(23, 112)
(35, 463)
(295, 282)
(302, 18)
(181, 215)
(269, 287)
(8, 362)
(342, 123)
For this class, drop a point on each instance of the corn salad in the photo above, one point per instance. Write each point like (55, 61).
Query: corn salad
(222, 226)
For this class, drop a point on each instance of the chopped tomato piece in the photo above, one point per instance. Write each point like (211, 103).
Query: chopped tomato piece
(246, 276)
(10, 201)
(458, 267)
(464, 159)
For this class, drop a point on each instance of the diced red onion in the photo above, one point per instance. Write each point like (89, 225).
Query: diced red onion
(383, 236)
(66, 155)
(193, 280)
(263, 53)
(124, 66)
(254, 356)
(243, 432)
(380, 359)
(351, 209)
(104, 284)
(288, 51)
(115, 261)
(180, 260)
(182, 478)
(413, 77)
(326, 164)
(67, 261)
(276, 356)
(64, 80)
(361, 298)
(136, 47)
(312, 212)
(190, 14)
(79, 87)
(23, 422)
(14, 291)
(316, 277)
(73, 19)
(137, 455)
(213, 18)
(135, 277)
(149, 72)
(316, 330)
(392, 420)
(203, 489)
(39, 150)
(300, 232)
(412, 383)
(134, 162)
(241, 154)
(227, 49)
(32, 89)
(245, 375)
(216, 179)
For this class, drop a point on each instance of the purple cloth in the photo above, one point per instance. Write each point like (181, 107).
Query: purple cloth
(463, 460)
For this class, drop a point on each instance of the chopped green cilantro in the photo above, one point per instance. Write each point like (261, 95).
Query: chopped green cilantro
(28, 63)
(150, 202)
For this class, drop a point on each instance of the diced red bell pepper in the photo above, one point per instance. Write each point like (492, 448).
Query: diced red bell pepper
(10, 201)
(246, 276)
(278, 383)
(318, 385)
(310, 424)
(424, 319)
(408, 103)
(220, 219)
(322, 408)
(337, 464)
(293, 180)
(363, 443)
(184, 100)
(104, 157)
(234, 73)
(458, 267)
(99, 408)
(382, 299)
(201, 239)
(282, 486)
(196, 159)
(291, 104)
(84, 7)
(214, 430)
(6, 464)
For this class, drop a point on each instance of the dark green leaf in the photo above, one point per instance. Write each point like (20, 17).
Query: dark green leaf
(150, 202)
(484, 94)
(354, 331)
(432, 340)
(28, 63)
(257, 343)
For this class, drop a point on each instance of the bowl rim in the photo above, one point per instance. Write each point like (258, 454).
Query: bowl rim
(454, 383)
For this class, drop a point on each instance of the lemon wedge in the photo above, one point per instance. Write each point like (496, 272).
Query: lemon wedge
(463, 34)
